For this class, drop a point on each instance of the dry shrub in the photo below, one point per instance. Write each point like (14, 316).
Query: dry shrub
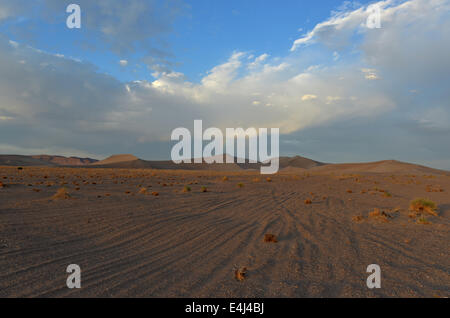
(423, 220)
(155, 194)
(423, 206)
(37, 190)
(240, 274)
(142, 191)
(225, 178)
(357, 218)
(434, 189)
(240, 185)
(270, 238)
(380, 215)
(2, 185)
(204, 189)
(308, 201)
(349, 191)
(187, 189)
(61, 194)
(269, 179)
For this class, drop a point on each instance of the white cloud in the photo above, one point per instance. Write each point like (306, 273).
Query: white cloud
(308, 97)
(123, 63)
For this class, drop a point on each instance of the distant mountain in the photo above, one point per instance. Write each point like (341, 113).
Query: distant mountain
(286, 164)
(65, 161)
(299, 162)
(43, 160)
(17, 160)
(385, 166)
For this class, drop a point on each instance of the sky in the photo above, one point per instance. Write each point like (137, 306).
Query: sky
(137, 69)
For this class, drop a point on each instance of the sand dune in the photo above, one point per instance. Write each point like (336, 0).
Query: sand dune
(189, 244)
(114, 159)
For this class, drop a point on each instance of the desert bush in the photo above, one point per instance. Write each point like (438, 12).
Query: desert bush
(204, 189)
(142, 191)
(187, 189)
(358, 218)
(240, 274)
(423, 206)
(270, 238)
(61, 194)
(422, 220)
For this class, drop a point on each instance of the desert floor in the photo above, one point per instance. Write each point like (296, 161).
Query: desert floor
(133, 243)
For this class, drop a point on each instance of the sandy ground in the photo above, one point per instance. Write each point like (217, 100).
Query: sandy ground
(189, 244)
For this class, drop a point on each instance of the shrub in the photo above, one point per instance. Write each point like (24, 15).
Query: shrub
(423, 206)
(204, 189)
(187, 189)
(422, 220)
(240, 185)
(270, 238)
(240, 274)
(142, 191)
(62, 193)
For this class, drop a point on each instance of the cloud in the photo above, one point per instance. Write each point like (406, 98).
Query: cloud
(308, 97)
(123, 63)
(123, 26)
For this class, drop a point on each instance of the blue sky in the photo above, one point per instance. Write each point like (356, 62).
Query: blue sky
(338, 90)
(203, 34)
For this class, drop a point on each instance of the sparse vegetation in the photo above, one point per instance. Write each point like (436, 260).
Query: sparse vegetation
(308, 201)
(187, 189)
(423, 206)
(142, 191)
(204, 189)
(240, 274)
(380, 215)
(270, 238)
(422, 220)
(358, 218)
(61, 194)
(225, 178)
(240, 185)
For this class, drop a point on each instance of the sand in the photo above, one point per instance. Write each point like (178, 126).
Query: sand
(190, 244)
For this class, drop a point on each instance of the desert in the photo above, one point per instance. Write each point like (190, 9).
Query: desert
(304, 232)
